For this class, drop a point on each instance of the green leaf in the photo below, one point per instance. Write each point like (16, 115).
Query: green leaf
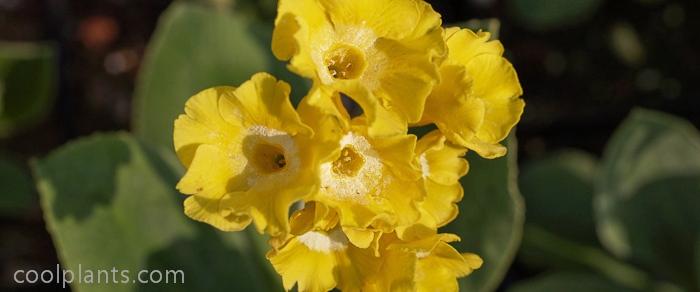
(553, 14)
(560, 230)
(27, 84)
(549, 249)
(569, 282)
(194, 48)
(648, 195)
(558, 192)
(490, 218)
(110, 202)
(17, 194)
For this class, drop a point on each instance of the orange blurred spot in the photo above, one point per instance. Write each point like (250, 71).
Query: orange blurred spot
(97, 32)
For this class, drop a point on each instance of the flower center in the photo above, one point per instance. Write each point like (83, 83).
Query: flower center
(356, 175)
(270, 152)
(349, 163)
(344, 61)
(268, 158)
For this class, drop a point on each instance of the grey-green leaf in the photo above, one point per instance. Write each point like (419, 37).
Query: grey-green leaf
(27, 84)
(490, 218)
(196, 47)
(558, 192)
(17, 194)
(110, 202)
(569, 282)
(648, 196)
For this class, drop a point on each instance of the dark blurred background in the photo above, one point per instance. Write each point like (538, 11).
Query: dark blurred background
(583, 65)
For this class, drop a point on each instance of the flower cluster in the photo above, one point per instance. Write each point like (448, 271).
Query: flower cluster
(352, 201)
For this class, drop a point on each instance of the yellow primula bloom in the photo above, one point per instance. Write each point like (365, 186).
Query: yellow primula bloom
(477, 102)
(247, 156)
(427, 264)
(319, 256)
(442, 165)
(382, 53)
(371, 182)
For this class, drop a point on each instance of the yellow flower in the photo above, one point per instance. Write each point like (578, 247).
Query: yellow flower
(427, 264)
(372, 182)
(381, 53)
(247, 156)
(319, 256)
(477, 101)
(442, 166)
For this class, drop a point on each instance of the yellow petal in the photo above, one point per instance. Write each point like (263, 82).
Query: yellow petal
(486, 150)
(441, 202)
(496, 84)
(359, 215)
(437, 209)
(202, 124)
(219, 213)
(398, 154)
(298, 23)
(397, 269)
(270, 209)
(314, 216)
(474, 261)
(446, 257)
(402, 196)
(442, 162)
(424, 227)
(310, 270)
(356, 267)
(381, 121)
(322, 111)
(263, 100)
(406, 78)
(422, 246)
(438, 264)
(429, 279)
(212, 174)
(464, 45)
(392, 19)
(359, 237)
(439, 269)
(456, 114)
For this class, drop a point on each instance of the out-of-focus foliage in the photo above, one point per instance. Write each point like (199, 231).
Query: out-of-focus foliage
(491, 218)
(645, 197)
(648, 196)
(193, 48)
(27, 84)
(569, 282)
(16, 189)
(564, 180)
(110, 202)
